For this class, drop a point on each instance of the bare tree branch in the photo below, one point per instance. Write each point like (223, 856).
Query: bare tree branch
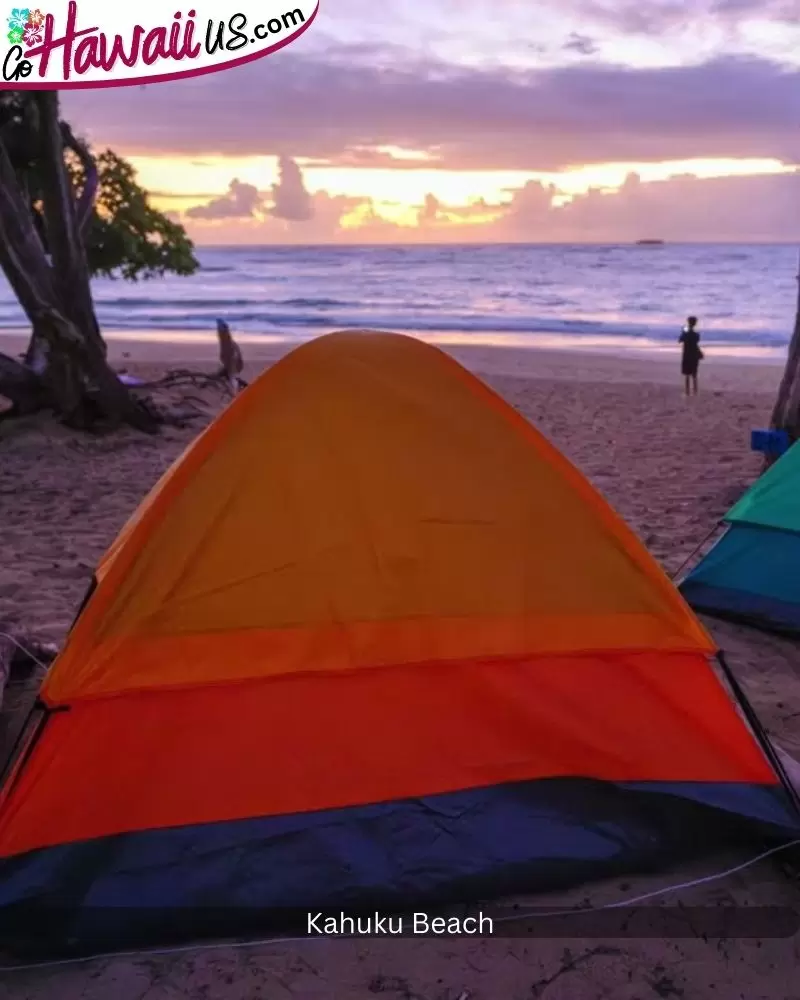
(85, 203)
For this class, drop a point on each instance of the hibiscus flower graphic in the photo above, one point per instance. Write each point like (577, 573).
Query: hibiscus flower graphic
(19, 18)
(32, 35)
(35, 19)
(15, 36)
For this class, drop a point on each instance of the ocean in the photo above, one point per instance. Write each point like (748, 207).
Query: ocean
(625, 297)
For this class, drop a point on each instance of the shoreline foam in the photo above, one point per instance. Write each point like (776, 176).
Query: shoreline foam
(187, 342)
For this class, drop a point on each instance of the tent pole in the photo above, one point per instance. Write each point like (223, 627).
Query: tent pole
(759, 731)
(33, 727)
(674, 576)
(25, 734)
(86, 598)
(25, 743)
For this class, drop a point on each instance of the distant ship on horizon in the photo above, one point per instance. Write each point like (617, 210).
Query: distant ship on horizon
(649, 243)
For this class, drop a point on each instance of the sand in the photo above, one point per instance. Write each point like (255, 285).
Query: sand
(669, 465)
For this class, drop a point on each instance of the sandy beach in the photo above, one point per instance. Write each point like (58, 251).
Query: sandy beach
(670, 466)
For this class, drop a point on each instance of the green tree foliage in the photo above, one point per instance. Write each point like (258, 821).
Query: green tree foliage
(58, 225)
(127, 237)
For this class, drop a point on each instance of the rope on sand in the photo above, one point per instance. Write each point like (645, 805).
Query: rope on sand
(570, 911)
(23, 649)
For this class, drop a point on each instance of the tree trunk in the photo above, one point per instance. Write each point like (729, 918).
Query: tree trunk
(786, 415)
(57, 295)
(35, 358)
(18, 229)
(21, 252)
(36, 353)
(67, 255)
(25, 266)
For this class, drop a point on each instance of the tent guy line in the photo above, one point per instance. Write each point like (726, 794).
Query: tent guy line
(547, 914)
(23, 649)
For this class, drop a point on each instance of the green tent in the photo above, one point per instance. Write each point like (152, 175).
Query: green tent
(752, 574)
(773, 501)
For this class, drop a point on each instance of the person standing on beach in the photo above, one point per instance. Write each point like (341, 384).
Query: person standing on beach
(692, 355)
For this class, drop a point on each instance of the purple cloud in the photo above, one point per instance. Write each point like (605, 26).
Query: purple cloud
(467, 118)
(635, 17)
(429, 211)
(581, 44)
(242, 201)
(685, 208)
(760, 208)
(290, 199)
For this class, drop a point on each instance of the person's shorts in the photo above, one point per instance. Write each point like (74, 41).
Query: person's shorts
(689, 366)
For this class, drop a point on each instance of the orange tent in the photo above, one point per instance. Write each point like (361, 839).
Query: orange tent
(371, 638)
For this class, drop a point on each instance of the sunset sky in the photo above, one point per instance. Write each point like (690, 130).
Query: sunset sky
(464, 120)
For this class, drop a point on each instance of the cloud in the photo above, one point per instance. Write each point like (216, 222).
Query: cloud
(242, 201)
(288, 199)
(287, 213)
(777, 11)
(321, 222)
(487, 118)
(447, 219)
(635, 17)
(686, 208)
(581, 44)
(429, 211)
(732, 209)
(291, 200)
(374, 158)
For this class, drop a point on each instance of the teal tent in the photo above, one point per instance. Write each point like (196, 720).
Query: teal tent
(752, 574)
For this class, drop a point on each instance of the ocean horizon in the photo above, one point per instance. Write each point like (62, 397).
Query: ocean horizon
(617, 297)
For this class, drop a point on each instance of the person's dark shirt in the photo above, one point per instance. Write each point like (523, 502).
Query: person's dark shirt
(691, 343)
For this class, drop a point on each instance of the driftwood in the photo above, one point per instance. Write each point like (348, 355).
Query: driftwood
(176, 377)
(31, 388)
(28, 392)
(76, 382)
(230, 357)
(185, 376)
